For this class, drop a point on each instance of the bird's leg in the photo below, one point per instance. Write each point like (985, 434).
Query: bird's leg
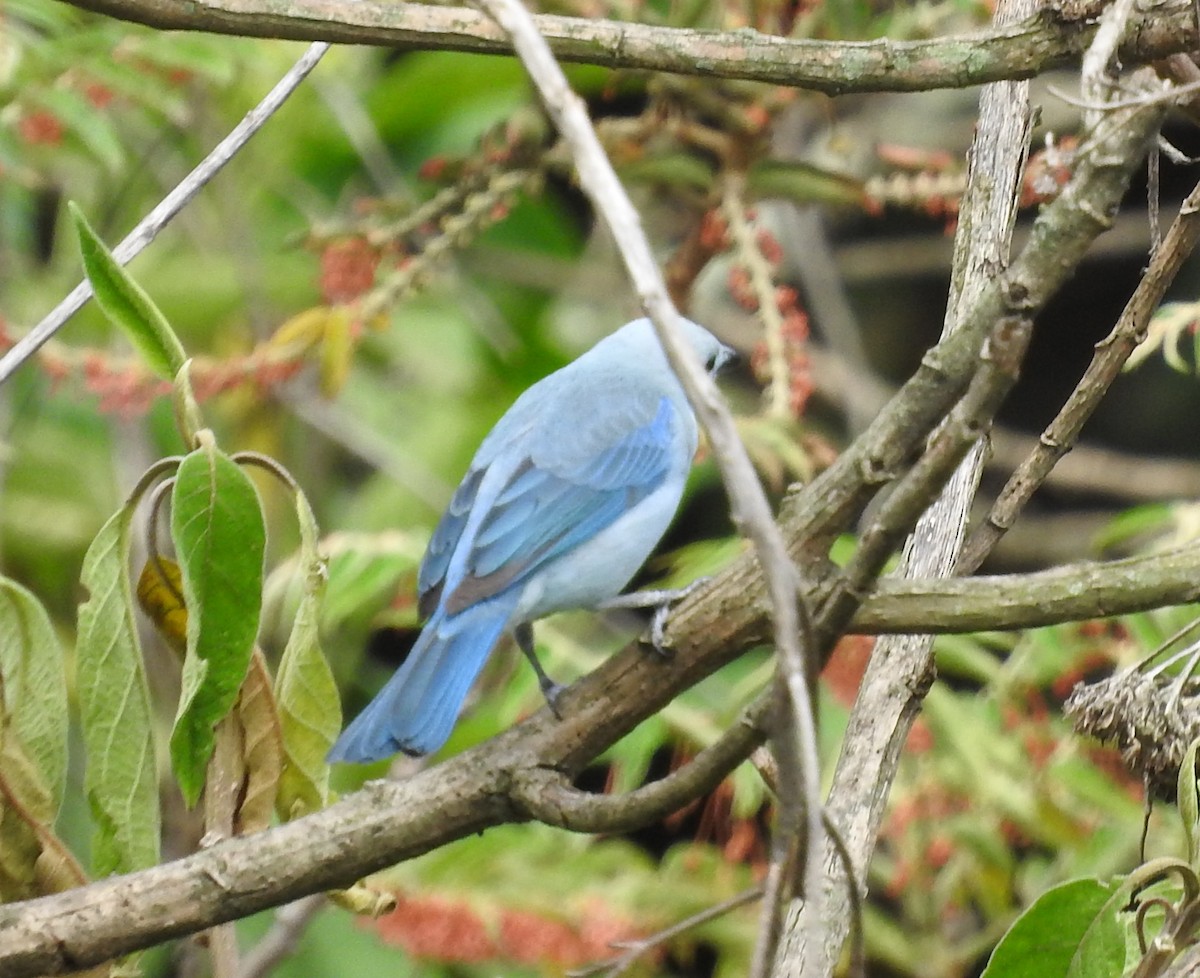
(523, 633)
(661, 601)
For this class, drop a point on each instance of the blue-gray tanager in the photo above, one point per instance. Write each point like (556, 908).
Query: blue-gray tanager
(563, 502)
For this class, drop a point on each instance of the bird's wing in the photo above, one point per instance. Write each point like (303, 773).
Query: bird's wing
(554, 501)
(432, 575)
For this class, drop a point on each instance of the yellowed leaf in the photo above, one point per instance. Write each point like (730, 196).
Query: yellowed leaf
(160, 596)
(33, 861)
(302, 332)
(337, 351)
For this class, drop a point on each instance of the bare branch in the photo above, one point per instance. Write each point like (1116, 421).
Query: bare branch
(632, 950)
(547, 795)
(1051, 38)
(291, 921)
(1110, 356)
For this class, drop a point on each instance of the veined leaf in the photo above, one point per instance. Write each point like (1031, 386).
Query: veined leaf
(260, 743)
(33, 686)
(120, 777)
(126, 304)
(309, 708)
(217, 526)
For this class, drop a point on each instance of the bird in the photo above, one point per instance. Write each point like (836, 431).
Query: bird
(563, 502)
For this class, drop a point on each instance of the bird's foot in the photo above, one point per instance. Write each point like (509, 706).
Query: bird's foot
(661, 601)
(553, 691)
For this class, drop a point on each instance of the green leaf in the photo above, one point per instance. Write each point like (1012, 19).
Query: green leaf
(121, 777)
(126, 304)
(1189, 803)
(217, 526)
(307, 696)
(33, 685)
(1070, 930)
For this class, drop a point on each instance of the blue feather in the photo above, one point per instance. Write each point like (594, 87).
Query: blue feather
(417, 708)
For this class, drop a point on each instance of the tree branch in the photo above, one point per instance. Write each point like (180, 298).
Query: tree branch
(1052, 38)
(547, 795)
(1110, 356)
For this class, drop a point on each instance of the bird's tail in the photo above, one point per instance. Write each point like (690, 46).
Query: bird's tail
(418, 707)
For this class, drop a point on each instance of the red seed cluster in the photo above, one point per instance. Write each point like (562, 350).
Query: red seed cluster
(347, 269)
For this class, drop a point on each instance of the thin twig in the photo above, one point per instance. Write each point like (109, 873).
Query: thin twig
(280, 941)
(168, 207)
(616, 966)
(750, 510)
(1169, 94)
(1096, 76)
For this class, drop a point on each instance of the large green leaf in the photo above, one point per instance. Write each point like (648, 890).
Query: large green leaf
(126, 303)
(1070, 931)
(217, 526)
(309, 708)
(33, 685)
(121, 776)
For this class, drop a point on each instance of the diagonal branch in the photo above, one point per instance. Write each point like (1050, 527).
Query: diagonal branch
(1111, 354)
(1052, 38)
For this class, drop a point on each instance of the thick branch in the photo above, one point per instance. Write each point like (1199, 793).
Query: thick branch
(1050, 39)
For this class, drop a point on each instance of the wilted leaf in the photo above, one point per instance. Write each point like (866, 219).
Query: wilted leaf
(25, 806)
(126, 304)
(33, 686)
(160, 596)
(33, 860)
(120, 776)
(261, 749)
(309, 707)
(217, 526)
